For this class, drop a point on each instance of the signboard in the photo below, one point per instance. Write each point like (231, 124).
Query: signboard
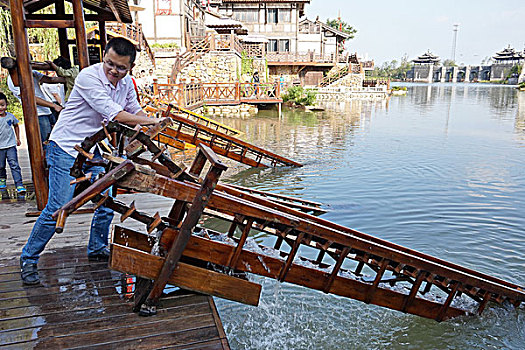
(94, 54)
(163, 8)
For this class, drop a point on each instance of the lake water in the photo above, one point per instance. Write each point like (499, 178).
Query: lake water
(440, 170)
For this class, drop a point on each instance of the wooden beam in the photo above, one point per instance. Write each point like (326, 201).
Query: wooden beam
(114, 10)
(129, 260)
(63, 16)
(103, 35)
(49, 23)
(62, 32)
(80, 32)
(27, 93)
(35, 5)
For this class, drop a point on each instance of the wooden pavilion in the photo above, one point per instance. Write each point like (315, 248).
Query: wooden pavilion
(24, 16)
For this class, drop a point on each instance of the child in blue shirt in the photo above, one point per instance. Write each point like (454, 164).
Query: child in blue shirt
(8, 142)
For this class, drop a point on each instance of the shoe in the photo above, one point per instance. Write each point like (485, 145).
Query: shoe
(21, 190)
(29, 273)
(2, 184)
(102, 256)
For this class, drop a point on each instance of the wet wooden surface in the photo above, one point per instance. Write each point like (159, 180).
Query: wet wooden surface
(83, 305)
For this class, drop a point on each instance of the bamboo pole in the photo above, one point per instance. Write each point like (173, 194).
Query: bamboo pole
(27, 93)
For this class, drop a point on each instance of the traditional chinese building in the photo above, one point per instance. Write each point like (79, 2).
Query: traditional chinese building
(423, 69)
(278, 20)
(504, 60)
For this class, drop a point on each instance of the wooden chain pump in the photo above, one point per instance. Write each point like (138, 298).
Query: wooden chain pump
(306, 250)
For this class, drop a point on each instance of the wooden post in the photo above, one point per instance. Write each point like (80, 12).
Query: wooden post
(237, 91)
(212, 42)
(80, 32)
(62, 32)
(103, 37)
(155, 87)
(27, 93)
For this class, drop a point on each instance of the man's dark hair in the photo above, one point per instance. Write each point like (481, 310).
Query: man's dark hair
(3, 97)
(122, 47)
(62, 62)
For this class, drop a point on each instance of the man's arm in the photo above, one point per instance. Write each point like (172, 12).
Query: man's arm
(45, 103)
(52, 80)
(135, 119)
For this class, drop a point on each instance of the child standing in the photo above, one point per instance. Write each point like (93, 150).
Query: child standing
(8, 142)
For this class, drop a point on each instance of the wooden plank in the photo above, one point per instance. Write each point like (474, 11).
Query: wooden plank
(197, 279)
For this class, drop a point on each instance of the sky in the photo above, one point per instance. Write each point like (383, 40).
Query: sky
(388, 30)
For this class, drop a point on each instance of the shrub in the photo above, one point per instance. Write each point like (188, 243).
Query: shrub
(300, 96)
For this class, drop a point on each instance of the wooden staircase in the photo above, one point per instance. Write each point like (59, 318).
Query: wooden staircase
(134, 32)
(334, 76)
(198, 49)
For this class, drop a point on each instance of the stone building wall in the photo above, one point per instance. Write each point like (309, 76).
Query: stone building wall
(214, 67)
(350, 80)
(240, 111)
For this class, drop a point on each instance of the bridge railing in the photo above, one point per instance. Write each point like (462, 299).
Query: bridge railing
(195, 94)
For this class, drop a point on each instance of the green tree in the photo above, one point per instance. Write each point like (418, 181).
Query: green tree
(449, 63)
(342, 26)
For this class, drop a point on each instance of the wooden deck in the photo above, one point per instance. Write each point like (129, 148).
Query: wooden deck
(83, 305)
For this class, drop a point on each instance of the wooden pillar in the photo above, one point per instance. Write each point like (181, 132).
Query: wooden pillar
(27, 93)
(62, 32)
(103, 36)
(80, 31)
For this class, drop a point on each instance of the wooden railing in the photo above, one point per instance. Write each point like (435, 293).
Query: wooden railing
(376, 83)
(216, 42)
(193, 95)
(254, 50)
(310, 56)
(133, 32)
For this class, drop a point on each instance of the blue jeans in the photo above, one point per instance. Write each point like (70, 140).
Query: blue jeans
(44, 121)
(61, 192)
(12, 158)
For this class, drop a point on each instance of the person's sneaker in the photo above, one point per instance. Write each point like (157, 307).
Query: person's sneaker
(101, 256)
(21, 190)
(2, 184)
(29, 273)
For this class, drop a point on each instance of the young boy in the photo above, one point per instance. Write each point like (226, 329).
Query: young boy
(64, 69)
(8, 142)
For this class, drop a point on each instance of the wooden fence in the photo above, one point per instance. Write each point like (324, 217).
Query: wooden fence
(193, 95)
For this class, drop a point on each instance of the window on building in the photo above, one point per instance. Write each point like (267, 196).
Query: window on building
(284, 45)
(272, 16)
(284, 15)
(246, 15)
(272, 45)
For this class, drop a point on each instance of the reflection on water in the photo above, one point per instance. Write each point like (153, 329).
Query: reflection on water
(440, 170)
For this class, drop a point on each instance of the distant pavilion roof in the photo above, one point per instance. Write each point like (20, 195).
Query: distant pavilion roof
(509, 54)
(427, 57)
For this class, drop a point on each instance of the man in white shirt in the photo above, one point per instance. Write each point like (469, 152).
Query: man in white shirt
(103, 92)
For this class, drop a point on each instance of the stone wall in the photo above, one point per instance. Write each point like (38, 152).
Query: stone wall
(350, 80)
(214, 67)
(238, 111)
(163, 64)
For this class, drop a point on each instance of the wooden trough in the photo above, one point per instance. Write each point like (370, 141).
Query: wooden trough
(306, 250)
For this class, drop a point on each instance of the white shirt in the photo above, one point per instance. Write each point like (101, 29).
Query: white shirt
(37, 76)
(93, 100)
